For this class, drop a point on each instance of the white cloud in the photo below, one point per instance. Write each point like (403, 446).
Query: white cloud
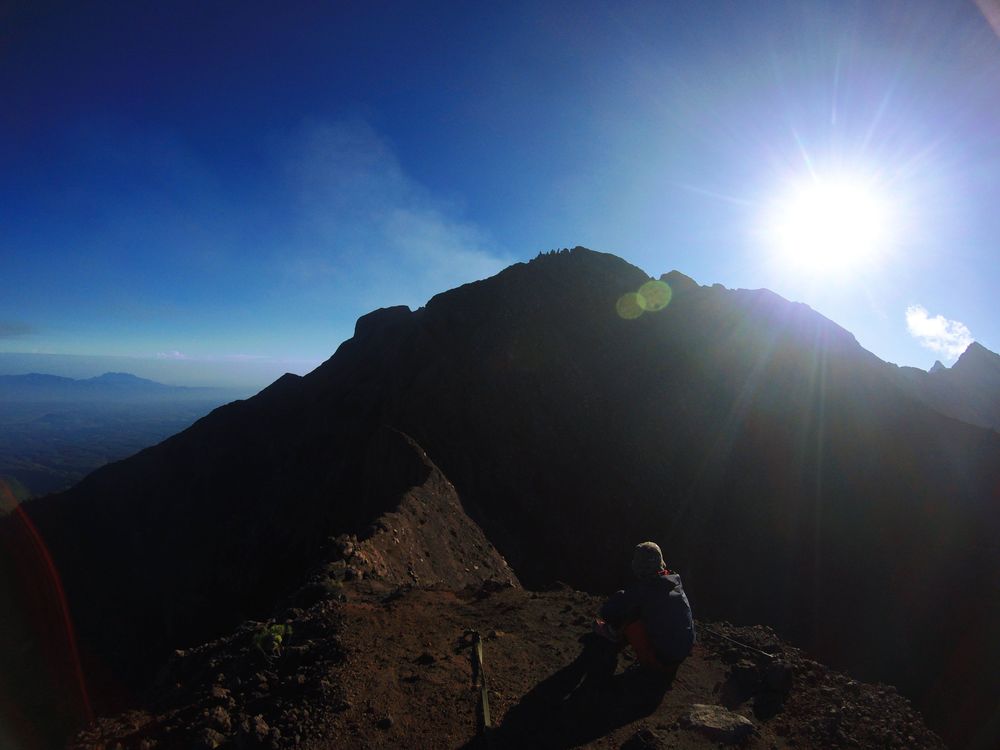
(948, 337)
(174, 354)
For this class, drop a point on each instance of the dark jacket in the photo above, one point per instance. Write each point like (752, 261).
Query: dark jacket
(659, 601)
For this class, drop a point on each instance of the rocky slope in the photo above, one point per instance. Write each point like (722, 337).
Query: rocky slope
(784, 469)
(375, 650)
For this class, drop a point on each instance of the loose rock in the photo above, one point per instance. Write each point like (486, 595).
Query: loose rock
(718, 723)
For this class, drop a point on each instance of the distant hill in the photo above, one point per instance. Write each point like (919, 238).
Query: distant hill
(969, 390)
(578, 406)
(56, 430)
(109, 386)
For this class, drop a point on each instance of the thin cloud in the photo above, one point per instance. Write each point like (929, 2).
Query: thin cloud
(938, 333)
(10, 329)
(237, 357)
(362, 218)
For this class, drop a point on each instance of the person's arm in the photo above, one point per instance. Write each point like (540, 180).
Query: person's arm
(620, 608)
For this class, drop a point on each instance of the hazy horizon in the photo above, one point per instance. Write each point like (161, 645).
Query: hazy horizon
(243, 372)
(246, 377)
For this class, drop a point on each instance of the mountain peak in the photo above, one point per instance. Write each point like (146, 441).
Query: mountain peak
(122, 381)
(937, 367)
(552, 414)
(119, 377)
(678, 281)
(978, 359)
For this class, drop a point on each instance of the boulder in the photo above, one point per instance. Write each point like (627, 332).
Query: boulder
(718, 723)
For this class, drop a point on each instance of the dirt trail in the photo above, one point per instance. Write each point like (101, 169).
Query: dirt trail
(374, 666)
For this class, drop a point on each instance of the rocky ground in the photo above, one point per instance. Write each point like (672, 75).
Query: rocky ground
(376, 649)
(372, 665)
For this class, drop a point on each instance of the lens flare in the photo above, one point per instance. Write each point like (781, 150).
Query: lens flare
(652, 296)
(51, 613)
(629, 306)
(655, 295)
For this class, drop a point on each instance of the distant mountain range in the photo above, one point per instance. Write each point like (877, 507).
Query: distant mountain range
(969, 390)
(55, 430)
(578, 406)
(110, 385)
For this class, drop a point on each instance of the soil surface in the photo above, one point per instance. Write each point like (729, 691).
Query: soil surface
(377, 665)
(377, 649)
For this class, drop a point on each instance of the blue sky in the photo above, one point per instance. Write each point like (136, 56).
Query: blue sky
(212, 193)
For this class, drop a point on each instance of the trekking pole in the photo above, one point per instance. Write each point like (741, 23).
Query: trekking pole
(479, 675)
(738, 643)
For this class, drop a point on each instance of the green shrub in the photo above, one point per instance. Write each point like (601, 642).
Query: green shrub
(269, 639)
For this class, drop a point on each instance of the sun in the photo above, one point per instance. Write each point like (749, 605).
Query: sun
(830, 225)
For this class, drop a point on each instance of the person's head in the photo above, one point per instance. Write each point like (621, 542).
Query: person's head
(647, 559)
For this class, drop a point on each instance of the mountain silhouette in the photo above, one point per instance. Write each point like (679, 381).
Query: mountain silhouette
(793, 477)
(969, 390)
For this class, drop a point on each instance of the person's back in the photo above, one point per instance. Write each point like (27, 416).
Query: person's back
(653, 613)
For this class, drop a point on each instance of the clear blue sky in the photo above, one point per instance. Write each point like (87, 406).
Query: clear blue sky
(214, 192)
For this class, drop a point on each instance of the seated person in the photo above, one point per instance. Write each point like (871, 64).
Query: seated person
(652, 614)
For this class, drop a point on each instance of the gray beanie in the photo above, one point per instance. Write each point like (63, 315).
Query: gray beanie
(647, 559)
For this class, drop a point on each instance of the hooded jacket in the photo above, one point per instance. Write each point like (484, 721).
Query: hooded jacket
(660, 602)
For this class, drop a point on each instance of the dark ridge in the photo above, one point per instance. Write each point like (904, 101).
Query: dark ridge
(968, 391)
(793, 477)
(977, 359)
(679, 282)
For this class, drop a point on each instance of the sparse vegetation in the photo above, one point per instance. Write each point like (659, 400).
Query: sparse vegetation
(269, 639)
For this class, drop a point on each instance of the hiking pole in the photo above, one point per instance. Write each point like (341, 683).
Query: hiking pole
(479, 675)
(738, 643)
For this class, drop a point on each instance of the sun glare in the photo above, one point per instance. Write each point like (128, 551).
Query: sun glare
(826, 226)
